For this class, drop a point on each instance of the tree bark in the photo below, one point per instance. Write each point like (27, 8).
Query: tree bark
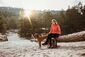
(75, 37)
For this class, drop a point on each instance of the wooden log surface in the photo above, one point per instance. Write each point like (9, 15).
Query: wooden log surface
(75, 37)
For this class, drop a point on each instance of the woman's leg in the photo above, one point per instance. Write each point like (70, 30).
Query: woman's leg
(50, 42)
(47, 40)
(55, 40)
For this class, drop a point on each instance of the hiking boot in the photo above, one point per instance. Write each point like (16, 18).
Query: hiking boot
(56, 46)
(49, 47)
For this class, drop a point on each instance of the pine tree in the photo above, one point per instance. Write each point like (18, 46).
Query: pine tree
(25, 29)
(2, 25)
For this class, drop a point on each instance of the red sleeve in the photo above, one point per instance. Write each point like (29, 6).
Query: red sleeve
(59, 29)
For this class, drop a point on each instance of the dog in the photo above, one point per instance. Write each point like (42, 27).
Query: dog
(39, 38)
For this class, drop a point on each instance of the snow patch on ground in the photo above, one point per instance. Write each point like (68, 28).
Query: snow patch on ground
(19, 47)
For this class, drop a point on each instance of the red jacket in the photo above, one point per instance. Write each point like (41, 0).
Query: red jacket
(55, 29)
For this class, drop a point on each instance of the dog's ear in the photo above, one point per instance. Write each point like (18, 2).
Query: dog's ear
(32, 36)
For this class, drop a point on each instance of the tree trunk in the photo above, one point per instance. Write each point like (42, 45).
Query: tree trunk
(75, 37)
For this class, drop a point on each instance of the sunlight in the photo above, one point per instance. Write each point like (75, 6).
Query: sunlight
(26, 14)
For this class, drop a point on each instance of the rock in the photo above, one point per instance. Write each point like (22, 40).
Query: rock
(3, 37)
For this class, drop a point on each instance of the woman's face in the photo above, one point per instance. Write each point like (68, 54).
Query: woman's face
(52, 22)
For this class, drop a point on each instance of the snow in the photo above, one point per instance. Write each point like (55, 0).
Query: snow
(20, 47)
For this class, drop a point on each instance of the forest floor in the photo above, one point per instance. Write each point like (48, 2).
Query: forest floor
(19, 47)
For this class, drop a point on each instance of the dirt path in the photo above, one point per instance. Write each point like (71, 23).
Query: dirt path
(18, 47)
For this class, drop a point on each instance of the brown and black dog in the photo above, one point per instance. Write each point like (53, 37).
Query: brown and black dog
(39, 38)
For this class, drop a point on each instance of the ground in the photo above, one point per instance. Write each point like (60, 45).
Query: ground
(19, 47)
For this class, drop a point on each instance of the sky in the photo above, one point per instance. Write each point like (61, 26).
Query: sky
(40, 4)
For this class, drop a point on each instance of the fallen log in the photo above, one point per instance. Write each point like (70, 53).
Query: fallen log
(75, 37)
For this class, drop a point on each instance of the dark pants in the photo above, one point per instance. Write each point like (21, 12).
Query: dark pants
(51, 36)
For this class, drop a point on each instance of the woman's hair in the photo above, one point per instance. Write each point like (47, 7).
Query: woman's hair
(53, 20)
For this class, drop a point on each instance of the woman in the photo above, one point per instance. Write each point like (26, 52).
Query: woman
(55, 31)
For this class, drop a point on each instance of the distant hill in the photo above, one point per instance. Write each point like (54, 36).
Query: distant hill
(11, 10)
(17, 10)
